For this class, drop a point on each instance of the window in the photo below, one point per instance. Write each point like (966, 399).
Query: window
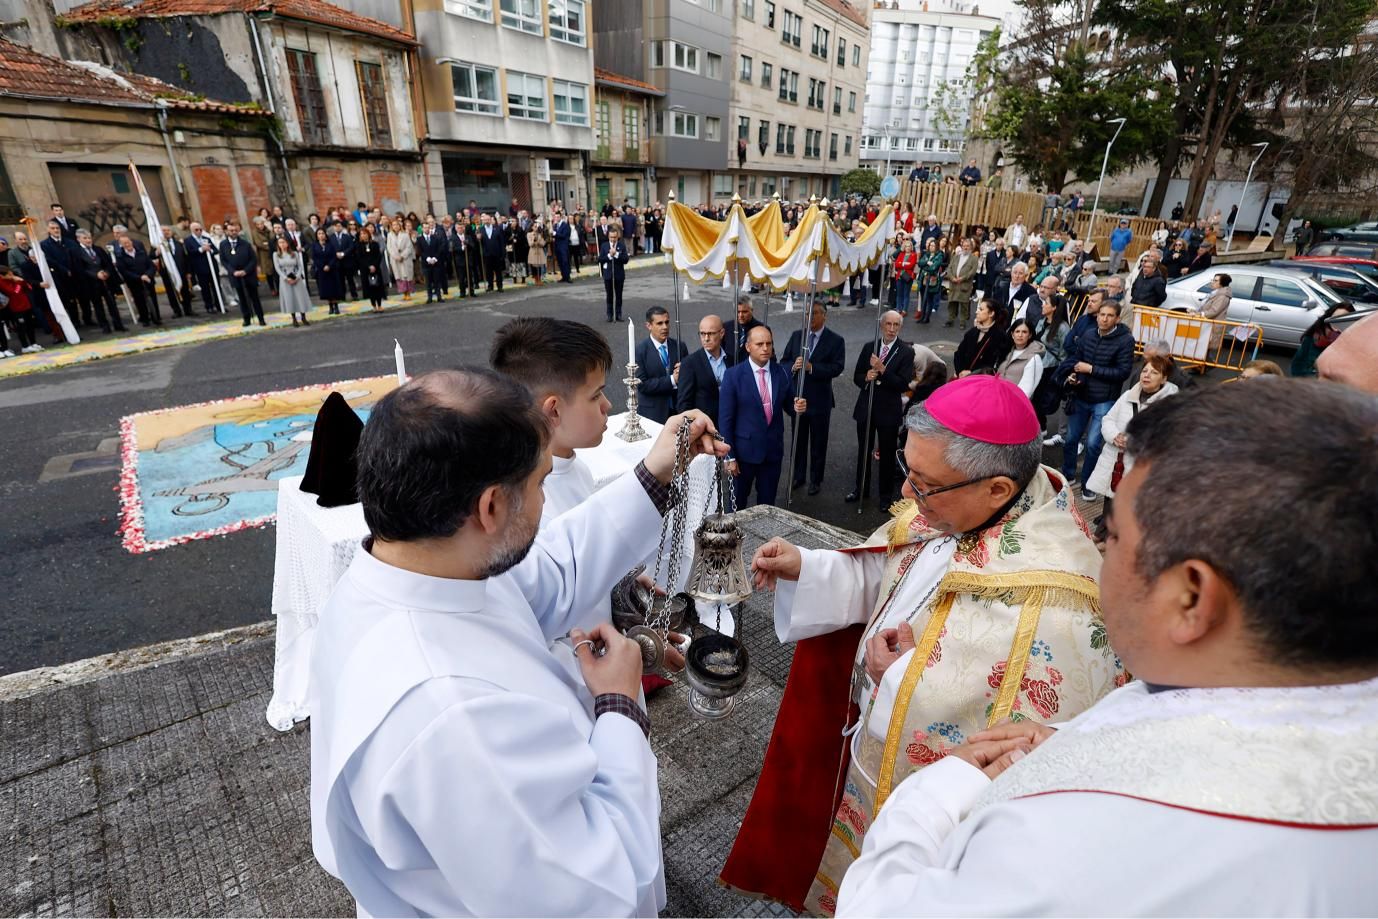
(631, 132)
(841, 52)
(928, 144)
(684, 124)
(792, 31)
(765, 74)
(476, 88)
(837, 100)
(856, 55)
(482, 10)
(851, 102)
(714, 66)
(911, 143)
(748, 9)
(1281, 293)
(10, 209)
(712, 128)
(602, 130)
(832, 147)
(523, 15)
(525, 96)
(373, 94)
(306, 87)
(818, 94)
(847, 145)
(746, 69)
(789, 141)
(821, 40)
(567, 21)
(789, 85)
(743, 127)
(780, 139)
(770, 14)
(763, 135)
(722, 186)
(811, 143)
(784, 84)
(571, 103)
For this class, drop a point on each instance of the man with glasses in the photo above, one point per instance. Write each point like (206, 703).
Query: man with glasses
(975, 604)
(700, 376)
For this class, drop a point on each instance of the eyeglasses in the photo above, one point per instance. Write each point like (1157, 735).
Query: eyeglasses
(922, 496)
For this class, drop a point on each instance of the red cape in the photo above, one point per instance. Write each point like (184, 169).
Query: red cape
(790, 817)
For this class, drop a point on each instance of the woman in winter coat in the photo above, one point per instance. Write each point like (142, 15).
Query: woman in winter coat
(402, 258)
(293, 297)
(1023, 366)
(329, 282)
(536, 252)
(984, 345)
(1217, 306)
(1152, 386)
(370, 255)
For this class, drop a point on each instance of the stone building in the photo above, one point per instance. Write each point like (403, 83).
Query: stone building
(622, 169)
(336, 85)
(68, 131)
(798, 82)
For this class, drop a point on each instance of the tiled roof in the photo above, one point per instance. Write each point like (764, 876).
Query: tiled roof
(848, 9)
(616, 79)
(316, 11)
(25, 72)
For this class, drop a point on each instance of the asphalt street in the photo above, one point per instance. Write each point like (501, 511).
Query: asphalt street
(74, 591)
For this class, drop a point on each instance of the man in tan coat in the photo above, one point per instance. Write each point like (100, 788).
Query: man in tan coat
(961, 276)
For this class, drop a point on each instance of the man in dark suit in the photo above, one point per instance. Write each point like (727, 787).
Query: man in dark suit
(178, 299)
(93, 266)
(756, 395)
(629, 226)
(201, 261)
(701, 374)
(612, 264)
(242, 264)
(492, 240)
(60, 264)
(466, 258)
(433, 251)
(347, 259)
(560, 240)
(136, 270)
(65, 223)
(824, 357)
(743, 323)
(889, 374)
(659, 358)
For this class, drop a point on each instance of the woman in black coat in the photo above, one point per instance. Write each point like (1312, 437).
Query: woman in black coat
(370, 256)
(985, 345)
(325, 267)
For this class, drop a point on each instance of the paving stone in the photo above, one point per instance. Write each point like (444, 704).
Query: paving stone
(40, 799)
(252, 671)
(43, 730)
(57, 870)
(140, 701)
(127, 770)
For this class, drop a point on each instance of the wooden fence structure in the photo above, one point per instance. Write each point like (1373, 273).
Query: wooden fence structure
(965, 207)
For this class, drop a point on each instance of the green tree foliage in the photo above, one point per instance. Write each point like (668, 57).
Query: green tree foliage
(862, 182)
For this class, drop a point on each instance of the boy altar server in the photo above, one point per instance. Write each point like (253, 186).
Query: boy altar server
(464, 762)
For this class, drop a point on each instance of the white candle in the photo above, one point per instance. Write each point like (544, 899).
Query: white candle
(401, 363)
(631, 342)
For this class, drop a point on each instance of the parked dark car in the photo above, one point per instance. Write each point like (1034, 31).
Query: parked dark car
(1345, 249)
(1343, 279)
(1366, 232)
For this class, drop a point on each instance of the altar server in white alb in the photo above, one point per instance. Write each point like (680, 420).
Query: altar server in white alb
(1239, 774)
(565, 367)
(463, 761)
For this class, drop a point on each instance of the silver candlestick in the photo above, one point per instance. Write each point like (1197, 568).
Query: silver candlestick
(631, 429)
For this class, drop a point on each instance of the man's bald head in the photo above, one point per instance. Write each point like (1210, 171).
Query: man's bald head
(710, 323)
(758, 333)
(1353, 358)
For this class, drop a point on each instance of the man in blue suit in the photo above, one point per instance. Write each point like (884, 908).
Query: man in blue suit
(492, 240)
(434, 252)
(824, 352)
(659, 358)
(561, 243)
(752, 402)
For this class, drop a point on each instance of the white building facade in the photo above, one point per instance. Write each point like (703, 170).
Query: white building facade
(916, 109)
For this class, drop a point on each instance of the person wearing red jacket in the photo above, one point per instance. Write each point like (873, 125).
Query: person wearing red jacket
(906, 269)
(18, 312)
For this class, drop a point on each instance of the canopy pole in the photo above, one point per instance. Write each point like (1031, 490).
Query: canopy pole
(801, 376)
(865, 446)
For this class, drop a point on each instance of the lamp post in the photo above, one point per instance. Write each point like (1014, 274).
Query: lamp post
(1263, 146)
(1095, 206)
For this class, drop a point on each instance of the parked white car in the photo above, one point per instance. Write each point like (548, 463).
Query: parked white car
(1282, 302)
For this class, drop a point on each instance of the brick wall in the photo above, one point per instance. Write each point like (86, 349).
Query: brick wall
(328, 190)
(386, 189)
(214, 193)
(253, 185)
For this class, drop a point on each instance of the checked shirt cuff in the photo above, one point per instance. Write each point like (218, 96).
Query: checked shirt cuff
(618, 704)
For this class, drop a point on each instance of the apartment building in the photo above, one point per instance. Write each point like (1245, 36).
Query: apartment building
(622, 167)
(798, 85)
(916, 110)
(508, 87)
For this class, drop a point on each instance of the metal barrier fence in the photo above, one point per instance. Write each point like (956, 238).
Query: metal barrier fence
(1196, 340)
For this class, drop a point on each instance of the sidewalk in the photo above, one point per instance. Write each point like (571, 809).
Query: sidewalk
(99, 347)
(149, 783)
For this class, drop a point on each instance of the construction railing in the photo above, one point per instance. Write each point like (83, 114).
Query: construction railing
(1196, 340)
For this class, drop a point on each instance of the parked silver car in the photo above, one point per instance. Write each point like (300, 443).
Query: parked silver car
(1284, 303)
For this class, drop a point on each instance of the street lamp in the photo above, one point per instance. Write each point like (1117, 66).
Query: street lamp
(1095, 206)
(1263, 146)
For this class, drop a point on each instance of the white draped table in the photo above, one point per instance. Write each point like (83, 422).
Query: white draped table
(315, 546)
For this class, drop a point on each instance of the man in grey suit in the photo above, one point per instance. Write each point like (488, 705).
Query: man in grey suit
(961, 275)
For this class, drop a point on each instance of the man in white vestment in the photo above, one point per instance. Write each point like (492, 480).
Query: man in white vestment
(565, 366)
(1239, 774)
(463, 761)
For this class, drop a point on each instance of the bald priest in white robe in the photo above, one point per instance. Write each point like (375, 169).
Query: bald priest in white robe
(1239, 774)
(463, 761)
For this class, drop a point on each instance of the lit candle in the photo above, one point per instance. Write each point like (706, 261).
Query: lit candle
(631, 343)
(401, 363)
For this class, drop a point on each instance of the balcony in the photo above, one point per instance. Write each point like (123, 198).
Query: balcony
(620, 154)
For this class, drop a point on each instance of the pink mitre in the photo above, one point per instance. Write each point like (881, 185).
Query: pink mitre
(984, 408)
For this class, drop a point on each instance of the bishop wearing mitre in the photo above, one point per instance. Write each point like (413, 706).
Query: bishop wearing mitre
(977, 603)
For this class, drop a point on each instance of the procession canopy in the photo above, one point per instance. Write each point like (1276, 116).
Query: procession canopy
(757, 247)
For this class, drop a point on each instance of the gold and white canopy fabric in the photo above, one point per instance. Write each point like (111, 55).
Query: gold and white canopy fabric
(757, 246)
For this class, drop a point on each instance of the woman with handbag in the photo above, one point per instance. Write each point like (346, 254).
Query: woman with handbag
(930, 282)
(402, 258)
(371, 269)
(293, 297)
(1114, 462)
(985, 345)
(906, 267)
